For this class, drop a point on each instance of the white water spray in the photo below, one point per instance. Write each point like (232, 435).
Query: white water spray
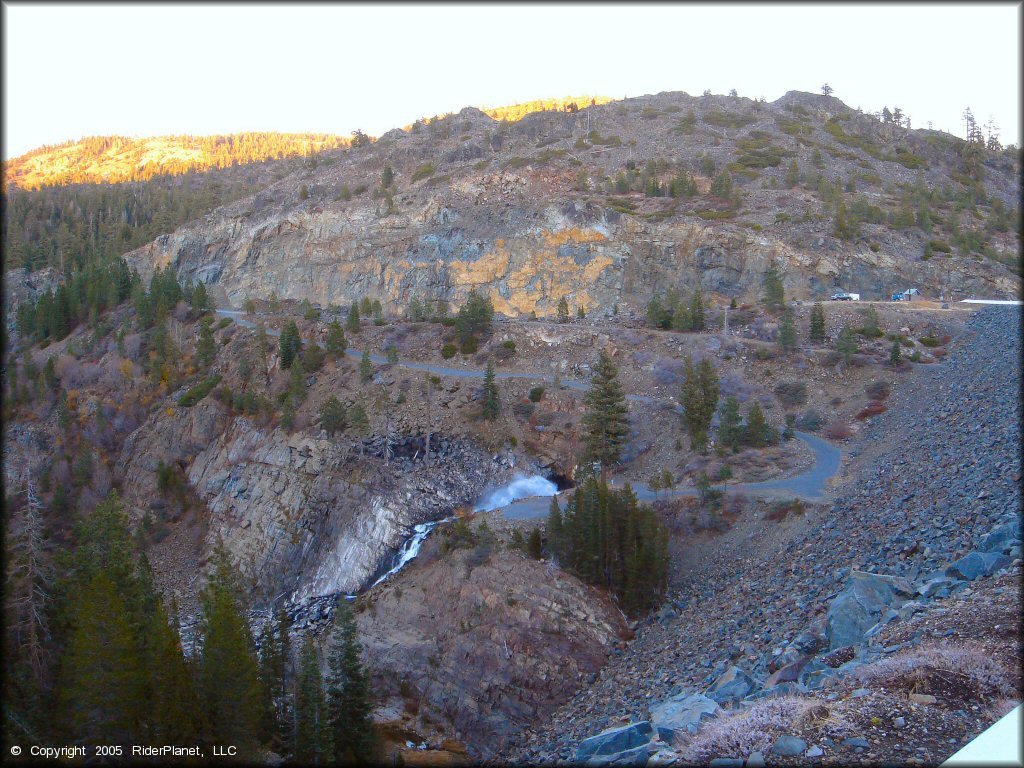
(520, 488)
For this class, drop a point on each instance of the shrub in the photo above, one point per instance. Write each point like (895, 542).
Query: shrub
(791, 393)
(877, 390)
(448, 351)
(522, 408)
(930, 341)
(871, 409)
(838, 430)
(425, 170)
(914, 668)
(469, 345)
(536, 393)
(808, 421)
(199, 391)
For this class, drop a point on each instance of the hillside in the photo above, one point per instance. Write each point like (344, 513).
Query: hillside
(667, 190)
(113, 159)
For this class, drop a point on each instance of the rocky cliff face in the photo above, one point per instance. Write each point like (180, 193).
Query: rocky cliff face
(300, 513)
(490, 646)
(528, 212)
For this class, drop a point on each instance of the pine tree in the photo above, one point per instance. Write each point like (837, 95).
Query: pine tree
(290, 344)
(699, 399)
(895, 353)
(387, 177)
(313, 733)
(787, 331)
(348, 692)
(534, 544)
(817, 332)
(200, 300)
(206, 349)
(491, 406)
(172, 706)
(332, 416)
(722, 185)
(101, 691)
(757, 433)
(774, 295)
(730, 424)
(563, 310)
(365, 367)
(276, 725)
(606, 421)
(228, 673)
(846, 343)
(554, 529)
(697, 310)
(335, 341)
(352, 323)
(359, 422)
(366, 307)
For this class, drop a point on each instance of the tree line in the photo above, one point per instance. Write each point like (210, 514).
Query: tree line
(98, 660)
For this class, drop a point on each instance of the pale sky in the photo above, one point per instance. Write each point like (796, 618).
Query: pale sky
(141, 70)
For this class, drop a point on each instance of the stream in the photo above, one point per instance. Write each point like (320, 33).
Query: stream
(526, 497)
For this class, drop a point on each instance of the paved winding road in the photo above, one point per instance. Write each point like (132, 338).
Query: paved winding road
(809, 485)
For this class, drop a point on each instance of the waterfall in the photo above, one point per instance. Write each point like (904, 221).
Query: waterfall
(520, 488)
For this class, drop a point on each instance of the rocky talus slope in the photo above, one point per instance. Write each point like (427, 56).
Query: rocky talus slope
(930, 511)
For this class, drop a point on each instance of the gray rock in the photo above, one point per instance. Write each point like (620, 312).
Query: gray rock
(734, 684)
(726, 762)
(1001, 539)
(814, 751)
(788, 746)
(756, 760)
(682, 712)
(976, 564)
(860, 604)
(856, 741)
(637, 756)
(615, 740)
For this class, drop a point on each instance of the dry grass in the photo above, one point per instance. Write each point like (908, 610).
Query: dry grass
(961, 666)
(756, 729)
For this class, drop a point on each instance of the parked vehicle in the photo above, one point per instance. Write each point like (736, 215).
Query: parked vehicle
(843, 296)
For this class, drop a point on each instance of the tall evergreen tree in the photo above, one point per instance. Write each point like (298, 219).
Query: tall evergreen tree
(606, 420)
(172, 707)
(352, 322)
(697, 310)
(554, 526)
(102, 689)
(276, 725)
(200, 300)
(491, 405)
(563, 310)
(228, 672)
(365, 367)
(817, 332)
(757, 433)
(895, 353)
(730, 424)
(313, 733)
(774, 295)
(206, 349)
(290, 344)
(335, 341)
(348, 692)
(846, 343)
(787, 331)
(699, 397)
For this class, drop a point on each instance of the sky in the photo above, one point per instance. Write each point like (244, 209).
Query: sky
(143, 70)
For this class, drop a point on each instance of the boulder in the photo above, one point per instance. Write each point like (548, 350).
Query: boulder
(638, 756)
(976, 564)
(860, 604)
(615, 741)
(682, 712)
(1001, 539)
(788, 746)
(733, 685)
